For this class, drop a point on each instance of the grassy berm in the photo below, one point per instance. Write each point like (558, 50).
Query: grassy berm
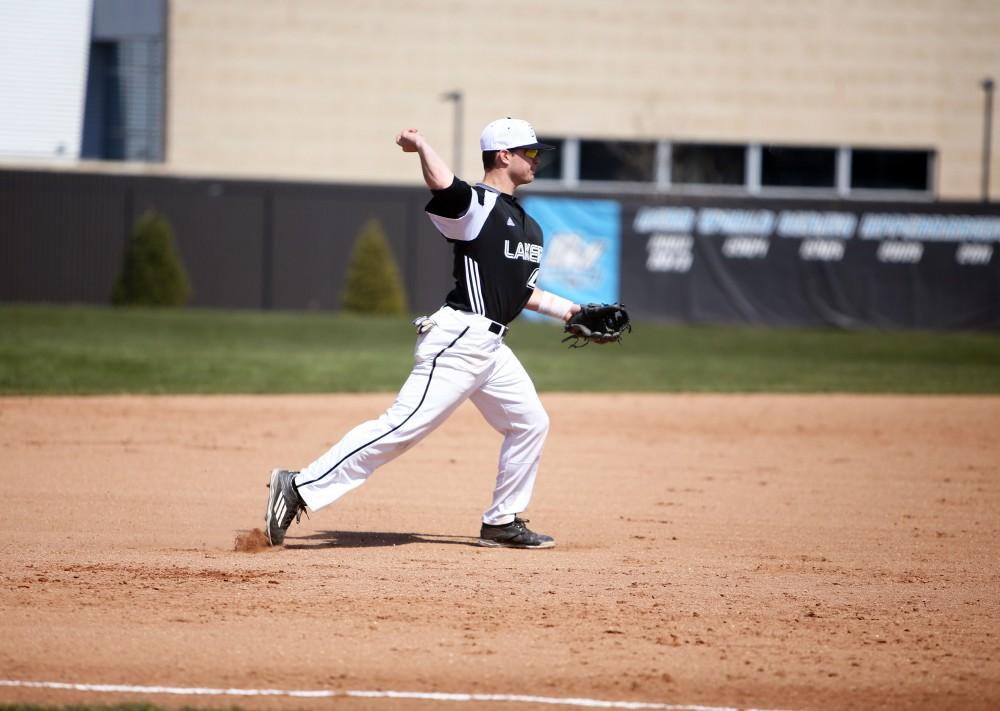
(92, 350)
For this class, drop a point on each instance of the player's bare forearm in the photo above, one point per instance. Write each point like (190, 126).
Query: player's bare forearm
(549, 304)
(437, 174)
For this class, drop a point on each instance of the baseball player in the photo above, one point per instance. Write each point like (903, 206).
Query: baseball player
(460, 352)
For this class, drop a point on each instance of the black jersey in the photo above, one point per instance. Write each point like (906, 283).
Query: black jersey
(497, 245)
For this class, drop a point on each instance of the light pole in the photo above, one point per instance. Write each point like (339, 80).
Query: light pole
(456, 98)
(987, 85)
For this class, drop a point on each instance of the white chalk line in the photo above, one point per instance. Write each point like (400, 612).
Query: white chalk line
(329, 693)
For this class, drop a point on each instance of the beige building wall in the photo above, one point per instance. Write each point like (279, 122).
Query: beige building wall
(317, 89)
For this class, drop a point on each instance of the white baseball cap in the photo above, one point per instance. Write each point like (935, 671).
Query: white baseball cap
(509, 133)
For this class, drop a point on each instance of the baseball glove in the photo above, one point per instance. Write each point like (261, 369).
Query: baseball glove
(598, 323)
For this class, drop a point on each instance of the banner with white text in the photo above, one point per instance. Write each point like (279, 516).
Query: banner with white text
(851, 265)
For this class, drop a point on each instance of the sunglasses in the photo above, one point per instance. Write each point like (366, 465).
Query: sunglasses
(530, 153)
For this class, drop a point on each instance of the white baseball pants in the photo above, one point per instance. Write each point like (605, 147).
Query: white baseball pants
(457, 359)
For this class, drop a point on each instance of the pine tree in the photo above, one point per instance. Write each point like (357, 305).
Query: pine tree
(374, 284)
(152, 273)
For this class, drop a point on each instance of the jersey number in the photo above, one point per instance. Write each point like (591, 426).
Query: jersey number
(533, 278)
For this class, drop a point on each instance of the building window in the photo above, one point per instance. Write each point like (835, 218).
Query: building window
(707, 164)
(794, 167)
(617, 161)
(694, 165)
(876, 169)
(124, 112)
(551, 162)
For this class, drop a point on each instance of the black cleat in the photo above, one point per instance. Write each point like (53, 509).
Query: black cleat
(513, 535)
(283, 504)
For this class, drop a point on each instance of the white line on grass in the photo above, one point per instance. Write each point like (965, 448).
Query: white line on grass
(327, 693)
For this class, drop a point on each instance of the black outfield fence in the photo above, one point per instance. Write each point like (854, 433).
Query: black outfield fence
(245, 244)
(260, 244)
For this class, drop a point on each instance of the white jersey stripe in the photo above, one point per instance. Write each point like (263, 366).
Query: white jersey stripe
(479, 290)
(474, 286)
(478, 286)
(468, 284)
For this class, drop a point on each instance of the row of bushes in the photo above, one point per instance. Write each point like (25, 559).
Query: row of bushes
(152, 273)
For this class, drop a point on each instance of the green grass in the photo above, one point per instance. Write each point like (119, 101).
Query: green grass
(90, 350)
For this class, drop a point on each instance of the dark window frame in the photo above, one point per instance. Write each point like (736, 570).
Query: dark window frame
(551, 162)
(875, 161)
(678, 149)
(637, 160)
(781, 163)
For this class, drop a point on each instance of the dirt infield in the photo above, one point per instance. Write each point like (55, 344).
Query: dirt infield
(794, 552)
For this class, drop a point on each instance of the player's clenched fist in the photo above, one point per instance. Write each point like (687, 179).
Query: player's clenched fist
(409, 140)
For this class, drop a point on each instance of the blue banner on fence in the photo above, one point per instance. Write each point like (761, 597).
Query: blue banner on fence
(582, 247)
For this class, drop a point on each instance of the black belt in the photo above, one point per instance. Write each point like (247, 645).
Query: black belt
(494, 327)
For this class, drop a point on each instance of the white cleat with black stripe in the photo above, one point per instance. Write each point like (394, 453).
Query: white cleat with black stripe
(283, 504)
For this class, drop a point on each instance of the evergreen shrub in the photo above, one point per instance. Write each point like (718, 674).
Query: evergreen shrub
(373, 284)
(152, 273)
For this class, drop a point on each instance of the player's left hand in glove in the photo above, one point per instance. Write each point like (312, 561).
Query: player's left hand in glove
(598, 323)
